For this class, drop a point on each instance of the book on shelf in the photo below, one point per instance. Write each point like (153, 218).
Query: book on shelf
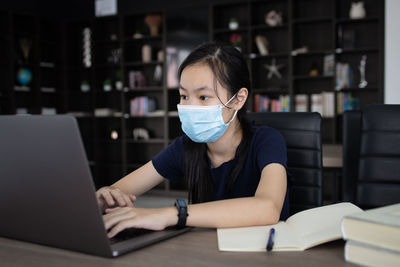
(378, 227)
(142, 105)
(324, 104)
(346, 101)
(300, 231)
(329, 65)
(344, 76)
(301, 103)
(263, 103)
(369, 255)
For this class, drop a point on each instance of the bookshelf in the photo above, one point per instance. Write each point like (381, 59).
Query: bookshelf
(100, 94)
(325, 29)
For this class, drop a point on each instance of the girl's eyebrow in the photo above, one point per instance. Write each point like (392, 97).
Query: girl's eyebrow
(198, 89)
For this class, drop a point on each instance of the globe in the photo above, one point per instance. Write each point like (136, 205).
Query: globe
(24, 76)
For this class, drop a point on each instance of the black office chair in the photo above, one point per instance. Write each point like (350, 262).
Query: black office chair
(371, 156)
(302, 133)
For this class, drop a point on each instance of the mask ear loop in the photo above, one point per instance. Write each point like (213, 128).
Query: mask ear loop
(234, 115)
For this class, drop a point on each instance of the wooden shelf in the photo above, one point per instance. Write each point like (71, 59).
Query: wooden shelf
(267, 27)
(141, 63)
(227, 30)
(313, 20)
(307, 77)
(350, 21)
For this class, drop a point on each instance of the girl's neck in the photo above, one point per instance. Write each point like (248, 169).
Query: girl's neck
(224, 149)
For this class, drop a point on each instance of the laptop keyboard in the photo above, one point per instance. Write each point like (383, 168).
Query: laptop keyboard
(129, 234)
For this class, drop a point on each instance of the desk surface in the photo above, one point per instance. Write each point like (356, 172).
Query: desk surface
(195, 248)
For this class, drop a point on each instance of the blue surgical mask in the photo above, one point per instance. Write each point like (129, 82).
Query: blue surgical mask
(203, 124)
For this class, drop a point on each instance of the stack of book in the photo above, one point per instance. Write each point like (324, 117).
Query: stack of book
(142, 105)
(324, 104)
(263, 103)
(373, 236)
(346, 101)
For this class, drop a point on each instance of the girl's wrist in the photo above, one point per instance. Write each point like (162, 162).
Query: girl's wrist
(171, 214)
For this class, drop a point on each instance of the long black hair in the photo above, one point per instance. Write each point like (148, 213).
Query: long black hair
(230, 70)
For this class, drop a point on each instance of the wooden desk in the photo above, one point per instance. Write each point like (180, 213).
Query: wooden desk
(196, 248)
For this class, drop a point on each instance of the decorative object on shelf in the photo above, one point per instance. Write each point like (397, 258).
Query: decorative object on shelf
(115, 56)
(113, 37)
(357, 10)
(233, 24)
(153, 21)
(137, 35)
(262, 44)
(300, 50)
(273, 69)
(160, 56)
(22, 111)
(273, 18)
(49, 111)
(158, 74)
(24, 76)
(25, 44)
(85, 86)
(344, 76)
(87, 47)
(114, 135)
(107, 85)
(313, 70)
(146, 53)
(136, 79)
(236, 40)
(329, 65)
(118, 80)
(362, 67)
(104, 112)
(140, 134)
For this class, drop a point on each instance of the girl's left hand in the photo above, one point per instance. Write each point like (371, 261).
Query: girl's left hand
(121, 218)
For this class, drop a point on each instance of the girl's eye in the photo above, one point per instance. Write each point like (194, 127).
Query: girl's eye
(203, 97)
(183, 97)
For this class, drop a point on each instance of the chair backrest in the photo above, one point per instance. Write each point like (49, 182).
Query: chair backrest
(377, 180)
(302, 133)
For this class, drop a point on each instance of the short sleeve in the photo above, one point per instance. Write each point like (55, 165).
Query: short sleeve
(169, 162)
(270, 147)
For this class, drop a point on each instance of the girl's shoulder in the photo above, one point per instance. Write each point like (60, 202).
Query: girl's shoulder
(263, 131)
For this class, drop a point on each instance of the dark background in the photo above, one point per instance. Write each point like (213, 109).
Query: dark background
(84, 9)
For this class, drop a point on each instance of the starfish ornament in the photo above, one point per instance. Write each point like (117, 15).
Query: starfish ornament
(273, 69)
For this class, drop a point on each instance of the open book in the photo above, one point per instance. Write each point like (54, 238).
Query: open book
(302, 230)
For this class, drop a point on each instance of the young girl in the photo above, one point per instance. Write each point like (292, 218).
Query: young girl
(236, 173)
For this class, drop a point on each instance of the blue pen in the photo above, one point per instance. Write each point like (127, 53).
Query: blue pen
(270, 243)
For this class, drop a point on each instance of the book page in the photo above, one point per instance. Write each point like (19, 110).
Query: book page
(255, 238)
(318, 225)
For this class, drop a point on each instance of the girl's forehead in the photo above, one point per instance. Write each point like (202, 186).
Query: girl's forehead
(200, 75)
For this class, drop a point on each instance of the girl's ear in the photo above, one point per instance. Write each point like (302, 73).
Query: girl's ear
(241, 97)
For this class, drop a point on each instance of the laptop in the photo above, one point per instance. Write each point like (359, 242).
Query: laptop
(47, 195)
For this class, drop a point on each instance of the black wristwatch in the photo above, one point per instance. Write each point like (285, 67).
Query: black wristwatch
(180, 204)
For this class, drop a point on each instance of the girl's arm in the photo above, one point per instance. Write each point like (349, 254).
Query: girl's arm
(124, 192)
(262, 209)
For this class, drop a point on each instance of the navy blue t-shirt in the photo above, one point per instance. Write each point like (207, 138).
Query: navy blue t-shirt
(267, 146)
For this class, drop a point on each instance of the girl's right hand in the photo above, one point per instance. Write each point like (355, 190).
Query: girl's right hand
(110, 197)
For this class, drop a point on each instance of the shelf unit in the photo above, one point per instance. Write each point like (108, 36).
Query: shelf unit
(317, 25)
(104, 111)
(31, 70)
